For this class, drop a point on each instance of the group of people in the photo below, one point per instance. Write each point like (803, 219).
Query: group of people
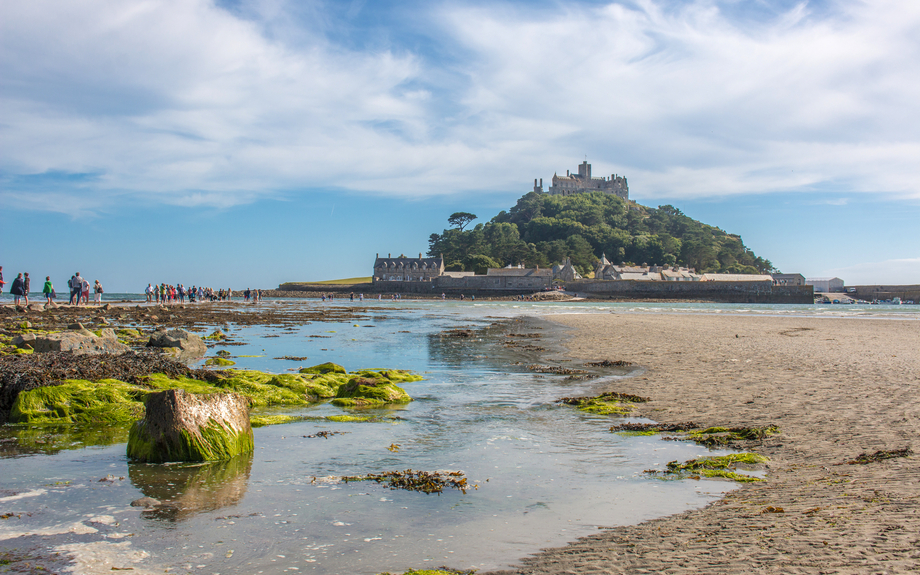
(169, 294)
(79, 289)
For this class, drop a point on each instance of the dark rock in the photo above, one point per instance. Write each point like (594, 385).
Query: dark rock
(178, 342)
(147, 502)
(181, 426)
(24, 339)
(80, 342)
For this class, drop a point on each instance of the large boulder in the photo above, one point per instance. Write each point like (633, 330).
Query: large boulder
(323, 368)
(79, 341)
(178, 342)
(182, 426)
(369, 392)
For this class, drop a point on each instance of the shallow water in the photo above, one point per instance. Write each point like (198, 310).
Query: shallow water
(545, 473)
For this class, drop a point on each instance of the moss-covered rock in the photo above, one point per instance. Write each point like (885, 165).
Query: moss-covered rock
(181, 426)
(219, 361)
(322, 368)
(367, 392)
(80, 401)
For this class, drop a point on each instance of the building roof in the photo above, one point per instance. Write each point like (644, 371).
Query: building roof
(736, 278)
(653, 276)
(519, 272)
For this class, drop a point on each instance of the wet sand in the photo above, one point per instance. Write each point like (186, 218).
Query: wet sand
(838, 388)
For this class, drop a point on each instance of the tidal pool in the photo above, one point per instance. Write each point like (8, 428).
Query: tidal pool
(541, 473)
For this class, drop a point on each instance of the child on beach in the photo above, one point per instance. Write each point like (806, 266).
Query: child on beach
(48, 290)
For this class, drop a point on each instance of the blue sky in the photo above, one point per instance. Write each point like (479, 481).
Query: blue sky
(247, 143)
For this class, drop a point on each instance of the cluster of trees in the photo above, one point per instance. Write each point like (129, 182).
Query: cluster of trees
(543, 229)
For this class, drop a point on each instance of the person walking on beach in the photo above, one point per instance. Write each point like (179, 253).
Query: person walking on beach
(48, 290)
(25, 288)
(17, 289)
(97, 290)
(85, 288)
(76, 287)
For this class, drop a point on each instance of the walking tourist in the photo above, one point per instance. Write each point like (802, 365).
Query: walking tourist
(25, 288)
(48, 290)
(97, 290)
(85, 288)
(17, 289)
(75, 283)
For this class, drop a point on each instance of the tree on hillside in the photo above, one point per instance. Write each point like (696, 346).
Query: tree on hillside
(542, 230)
(461, 219)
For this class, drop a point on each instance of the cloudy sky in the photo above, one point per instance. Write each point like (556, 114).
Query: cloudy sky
(253, 142)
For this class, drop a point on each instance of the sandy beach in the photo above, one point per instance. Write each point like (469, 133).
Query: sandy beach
(838, 388)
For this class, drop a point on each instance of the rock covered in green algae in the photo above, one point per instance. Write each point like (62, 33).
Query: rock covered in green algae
(112, 401)
(219, 361)
(323, 368)
(80, 401)
(367, 392)
(181, 426)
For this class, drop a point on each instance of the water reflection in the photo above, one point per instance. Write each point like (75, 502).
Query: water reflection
(187, 489)
(19, 440)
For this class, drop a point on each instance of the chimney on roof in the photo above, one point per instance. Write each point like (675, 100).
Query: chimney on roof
(420, 255)
(390, 255)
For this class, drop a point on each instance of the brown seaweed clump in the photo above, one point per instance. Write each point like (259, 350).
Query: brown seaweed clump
(413, 480)
(881, 455)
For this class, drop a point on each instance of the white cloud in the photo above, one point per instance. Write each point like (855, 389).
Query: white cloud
(201, 106)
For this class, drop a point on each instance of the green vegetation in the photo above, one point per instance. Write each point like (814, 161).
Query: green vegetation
(111, 401)
(611, 403)
(721, 466)
(543, 229)
(215, 442)
(219, 361)
(369, 392)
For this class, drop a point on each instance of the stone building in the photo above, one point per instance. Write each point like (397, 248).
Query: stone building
(566, 272)
(604, 270)
(788, 279)
(407, 269)
(582, 182)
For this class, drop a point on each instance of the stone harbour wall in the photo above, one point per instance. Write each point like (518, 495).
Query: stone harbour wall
(723, 292)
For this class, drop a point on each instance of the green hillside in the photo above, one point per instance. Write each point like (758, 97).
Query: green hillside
(542, 229)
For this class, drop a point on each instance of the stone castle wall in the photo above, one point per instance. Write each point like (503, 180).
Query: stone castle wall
(723, 292)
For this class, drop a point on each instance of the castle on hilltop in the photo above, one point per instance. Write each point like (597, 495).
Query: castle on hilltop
(582, 182)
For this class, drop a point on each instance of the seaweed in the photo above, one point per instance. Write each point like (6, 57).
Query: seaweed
(605, 403)
(722, 466)
(609, 363)
(556, 369)
(366, 392)
(881, 455)
(708, 437)
(413, 480)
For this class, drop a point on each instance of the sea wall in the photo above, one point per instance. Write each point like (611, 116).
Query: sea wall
(724, 292)
(881, 292)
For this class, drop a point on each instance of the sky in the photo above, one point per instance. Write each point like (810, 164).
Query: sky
(247, 143)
